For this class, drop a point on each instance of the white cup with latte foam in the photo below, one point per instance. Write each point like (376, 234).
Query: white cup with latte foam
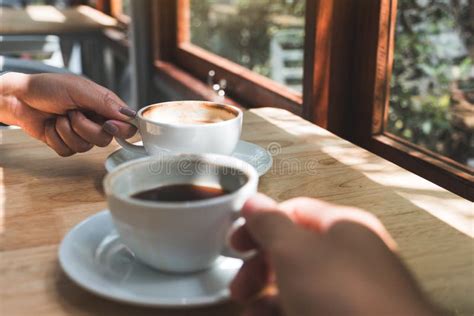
(194, 127)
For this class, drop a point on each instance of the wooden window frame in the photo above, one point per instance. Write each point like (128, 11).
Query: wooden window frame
(173, 49)
(347, 69)
(372, 72)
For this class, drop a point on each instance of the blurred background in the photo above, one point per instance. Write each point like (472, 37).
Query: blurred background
(431, 92)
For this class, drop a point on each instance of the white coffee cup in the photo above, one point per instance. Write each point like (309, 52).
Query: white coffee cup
(187, 127)
(178, 236)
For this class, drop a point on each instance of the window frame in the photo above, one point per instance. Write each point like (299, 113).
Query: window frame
(372, 73)
(253, 88)
(172, 47)
(346, 84)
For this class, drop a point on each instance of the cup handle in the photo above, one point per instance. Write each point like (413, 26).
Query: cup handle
(129, 146)
(238, 221)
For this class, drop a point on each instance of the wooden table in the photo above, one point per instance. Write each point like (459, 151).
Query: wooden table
(46, 19)
(81, 23)
(42, 196)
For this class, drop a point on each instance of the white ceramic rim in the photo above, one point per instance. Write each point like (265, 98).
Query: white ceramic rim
(213, 159)
(120, 297)
(238, 116)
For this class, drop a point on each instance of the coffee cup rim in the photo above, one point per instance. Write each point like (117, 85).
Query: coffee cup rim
(180, 125)
(250, 172)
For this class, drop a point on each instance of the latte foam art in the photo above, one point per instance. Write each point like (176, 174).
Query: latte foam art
(189, 113)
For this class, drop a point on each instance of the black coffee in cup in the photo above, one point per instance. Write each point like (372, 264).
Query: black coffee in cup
(180, 193)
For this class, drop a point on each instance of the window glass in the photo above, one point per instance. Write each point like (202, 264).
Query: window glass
(265, 36)
(432, 88)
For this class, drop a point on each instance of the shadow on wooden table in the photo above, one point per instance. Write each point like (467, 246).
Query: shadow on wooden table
(72, 297)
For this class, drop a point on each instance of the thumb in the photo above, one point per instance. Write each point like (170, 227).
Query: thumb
(265, 222)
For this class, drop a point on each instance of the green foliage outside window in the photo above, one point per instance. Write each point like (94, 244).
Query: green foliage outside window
(431, 97)
(241, 30)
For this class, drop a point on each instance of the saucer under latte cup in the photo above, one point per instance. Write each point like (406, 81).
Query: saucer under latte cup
(178, 236)
(187, 127)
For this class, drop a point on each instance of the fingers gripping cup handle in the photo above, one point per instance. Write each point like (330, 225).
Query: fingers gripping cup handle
(229, 250)
(139, 149)
(237, 222)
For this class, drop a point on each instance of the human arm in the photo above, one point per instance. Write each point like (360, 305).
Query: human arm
(69, 113)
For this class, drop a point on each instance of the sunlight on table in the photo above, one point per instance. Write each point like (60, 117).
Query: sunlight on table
(448, 207)
(440, 203)
(45, 14)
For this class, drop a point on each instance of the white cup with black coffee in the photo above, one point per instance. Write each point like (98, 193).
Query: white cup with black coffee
(175, 211)
(187, 127)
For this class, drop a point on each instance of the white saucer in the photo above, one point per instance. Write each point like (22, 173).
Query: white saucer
(92, 255)
(253, 154)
